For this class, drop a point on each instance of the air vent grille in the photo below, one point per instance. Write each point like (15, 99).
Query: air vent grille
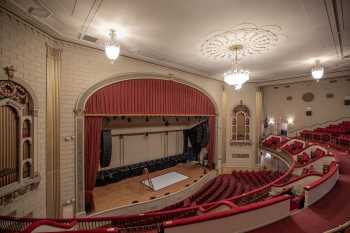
(88, 38)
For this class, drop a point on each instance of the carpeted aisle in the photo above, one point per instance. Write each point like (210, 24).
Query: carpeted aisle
(331, 211)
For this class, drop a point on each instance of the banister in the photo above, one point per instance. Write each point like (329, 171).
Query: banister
(319, 124)
(340, 229)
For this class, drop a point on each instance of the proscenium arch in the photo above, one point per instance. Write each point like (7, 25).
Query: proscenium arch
(79, 124)
(80, 104)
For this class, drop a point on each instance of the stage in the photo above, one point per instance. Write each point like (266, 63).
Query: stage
(130, 190)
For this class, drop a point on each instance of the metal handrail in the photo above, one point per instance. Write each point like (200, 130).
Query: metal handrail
(340, 229)
(319, 124)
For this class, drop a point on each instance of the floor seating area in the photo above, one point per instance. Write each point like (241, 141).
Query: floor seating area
(112, 175)
(338, 134)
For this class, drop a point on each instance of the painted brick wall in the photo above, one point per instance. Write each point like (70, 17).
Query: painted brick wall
(25, 49)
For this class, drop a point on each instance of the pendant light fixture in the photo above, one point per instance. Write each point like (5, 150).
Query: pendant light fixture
(317, 71)
(112, 47)
(236, 76)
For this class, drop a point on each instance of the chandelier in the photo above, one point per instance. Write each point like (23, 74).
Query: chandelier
(317, 71)
(236, 76)
(112, 47)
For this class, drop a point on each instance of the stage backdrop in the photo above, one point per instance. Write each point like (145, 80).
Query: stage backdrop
(139, 97)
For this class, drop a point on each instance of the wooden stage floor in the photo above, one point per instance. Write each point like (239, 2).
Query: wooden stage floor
(127, 191)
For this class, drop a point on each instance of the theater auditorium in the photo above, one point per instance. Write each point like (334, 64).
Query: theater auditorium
(163, 116)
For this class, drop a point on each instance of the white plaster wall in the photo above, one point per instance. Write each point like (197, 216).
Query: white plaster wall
(248, 95)
(25, 49)
(323, 109)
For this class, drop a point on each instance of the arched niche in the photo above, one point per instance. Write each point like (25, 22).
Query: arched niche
(240, 124)
(26, 151)
(26, 128)
(80, 115)
(26, 170)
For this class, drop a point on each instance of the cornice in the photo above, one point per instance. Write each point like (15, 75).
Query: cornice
(304, 77)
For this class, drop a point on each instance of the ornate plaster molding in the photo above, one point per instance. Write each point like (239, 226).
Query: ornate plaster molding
(253, 39)
(13, 91)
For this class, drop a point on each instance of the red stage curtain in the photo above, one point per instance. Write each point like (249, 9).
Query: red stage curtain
(149, 97)
(141, 97)
(210, 148)
(93, 128)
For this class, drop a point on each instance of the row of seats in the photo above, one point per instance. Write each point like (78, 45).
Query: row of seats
(336, 130)
(237, 183)
(294, 148)
(343, 139)
(305, 157)
(227, 186)
(272, 142)
(327, 133)
(112, 175)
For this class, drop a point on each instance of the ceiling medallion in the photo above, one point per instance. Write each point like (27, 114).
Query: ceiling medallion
(254, 40)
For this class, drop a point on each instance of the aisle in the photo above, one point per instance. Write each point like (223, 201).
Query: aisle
(329, 212)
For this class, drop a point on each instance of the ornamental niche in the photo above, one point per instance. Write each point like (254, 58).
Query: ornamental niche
(240, 124)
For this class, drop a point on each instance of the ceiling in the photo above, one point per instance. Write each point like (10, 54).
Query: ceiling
(171, 32)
